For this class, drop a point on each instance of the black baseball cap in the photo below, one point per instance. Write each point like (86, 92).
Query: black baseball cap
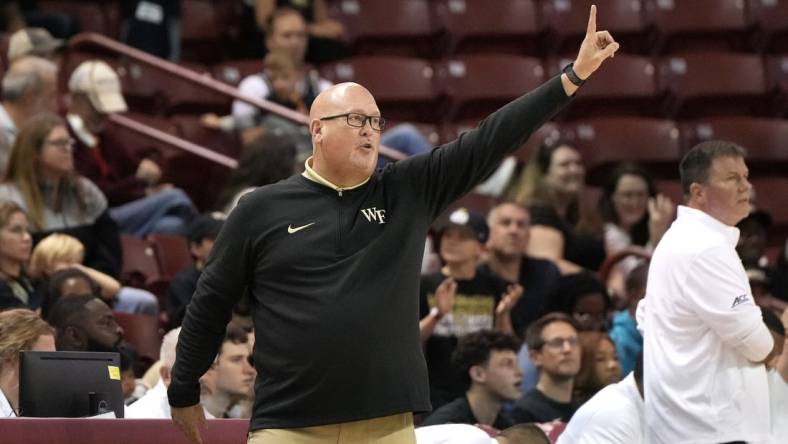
(468, 220)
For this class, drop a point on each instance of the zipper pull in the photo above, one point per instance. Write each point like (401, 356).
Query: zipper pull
(339, 190)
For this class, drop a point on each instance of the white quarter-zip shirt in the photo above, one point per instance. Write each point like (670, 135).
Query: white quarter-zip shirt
(702, 335)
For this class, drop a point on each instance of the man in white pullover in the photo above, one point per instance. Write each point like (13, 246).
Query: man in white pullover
(705, 342)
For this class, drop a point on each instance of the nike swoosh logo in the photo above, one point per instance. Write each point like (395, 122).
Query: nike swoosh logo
(291, 230)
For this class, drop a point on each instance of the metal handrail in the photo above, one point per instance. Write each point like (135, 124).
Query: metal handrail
(87, 39)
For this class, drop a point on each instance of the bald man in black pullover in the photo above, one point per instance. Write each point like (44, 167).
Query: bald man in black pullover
(332, 259)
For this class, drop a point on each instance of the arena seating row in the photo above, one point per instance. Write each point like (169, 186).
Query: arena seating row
(470, 86)
(433, 28)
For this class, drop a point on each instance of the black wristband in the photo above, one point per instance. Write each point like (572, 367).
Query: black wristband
(569, 70)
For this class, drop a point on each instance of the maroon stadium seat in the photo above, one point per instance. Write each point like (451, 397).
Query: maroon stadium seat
(92, 16)
(233, 71)
(777, 81)
(480, 83)
(567, 22)
(403, 87)
(764, 139)
(138, 144)
(190, 128)
(140, 266)
(204, 28)
(624, 85)
(699, 24)
(154, 91)
(142, 332)
(671, 188)
(770, 195)
(714, 83)
(172, 253)
(451, 131)
(510, 26)
(397, 27)
(771, 17)
(606, 141)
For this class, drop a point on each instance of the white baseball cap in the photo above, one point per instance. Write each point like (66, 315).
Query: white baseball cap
(32, 41)
(101, 84)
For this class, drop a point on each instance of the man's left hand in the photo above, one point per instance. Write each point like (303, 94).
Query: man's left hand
(596, 47)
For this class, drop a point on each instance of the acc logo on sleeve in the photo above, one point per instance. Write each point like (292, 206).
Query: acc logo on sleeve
(740, 299)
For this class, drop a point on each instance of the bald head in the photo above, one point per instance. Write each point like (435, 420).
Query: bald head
(344, 153)
(338, 99)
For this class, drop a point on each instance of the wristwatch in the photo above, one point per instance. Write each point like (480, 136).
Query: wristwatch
(569, 70)
(435, 313)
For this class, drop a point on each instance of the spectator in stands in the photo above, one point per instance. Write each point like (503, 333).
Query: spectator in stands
(325, 34)
(702, 333)
(509, 233)
(281, 77)
(778, 377)
(201, 233)
(487, 363)
(140, 203)
(33, 42)
(599, 366)
(17, 290)
(612, 416)
(17, 14)
(268, 159)
(624, 332)
(554, 348)
(68, 282)
(20, 329)
(29, 88)
(779, 284)
(287, 35)
(458, 300)
(132, 391)
(235, 375)
(581, 296)
(760, 284)
(60, 251)
(634, 214)
(563, 228)
(154, 404)
(85, 323)
(41, 179)
(584, 297)
(152, 26)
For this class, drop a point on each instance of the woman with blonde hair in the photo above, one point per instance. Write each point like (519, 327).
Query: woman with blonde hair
(60, 251)
(564, 228)
(16, 287)
(20, 330)
(41, 179)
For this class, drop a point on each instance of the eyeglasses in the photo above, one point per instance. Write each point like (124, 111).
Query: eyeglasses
(358, 120)
(63, 143)
(558, 343)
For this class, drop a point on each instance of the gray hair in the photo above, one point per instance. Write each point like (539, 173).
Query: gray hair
(695, 166)
(25, 76)
(168, 344)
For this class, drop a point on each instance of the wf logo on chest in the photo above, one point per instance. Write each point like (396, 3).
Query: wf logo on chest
(373, 214)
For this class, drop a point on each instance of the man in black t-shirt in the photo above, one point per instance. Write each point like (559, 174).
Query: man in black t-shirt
(554, 349)
(487, 361)
(459, 300)
(509, 224)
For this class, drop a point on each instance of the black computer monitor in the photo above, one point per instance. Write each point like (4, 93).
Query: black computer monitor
(69, 384)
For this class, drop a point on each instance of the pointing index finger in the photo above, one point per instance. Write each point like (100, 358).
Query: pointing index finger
(591, 21)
